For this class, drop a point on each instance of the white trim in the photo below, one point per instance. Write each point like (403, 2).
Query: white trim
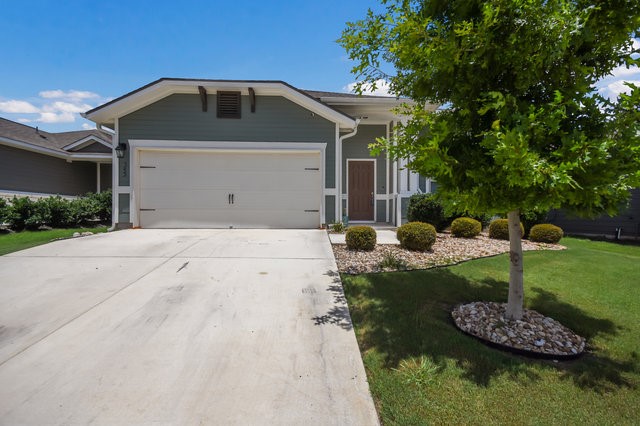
(86, 141)
(164, 88)
(115, 175)
(386, 176)
(328, 192)
(375, 181)
(88, 156)
(137, 145)
(383, 197)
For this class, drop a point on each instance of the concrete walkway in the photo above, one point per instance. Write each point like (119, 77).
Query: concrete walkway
(179, 327)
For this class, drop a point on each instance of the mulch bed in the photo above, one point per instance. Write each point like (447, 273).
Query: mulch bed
(447, 250)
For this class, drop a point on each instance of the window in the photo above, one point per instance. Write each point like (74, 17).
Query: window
(228, 104)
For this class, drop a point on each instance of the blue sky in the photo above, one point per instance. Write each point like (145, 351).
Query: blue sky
(63, 57)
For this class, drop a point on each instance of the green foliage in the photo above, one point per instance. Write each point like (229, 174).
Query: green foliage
(416, 236)
(391, 262)
(525, 127)
(338, 227)
(531, 218)
(4, 210)
(499, 229)
(56, 212)
(546, 233)
(426, 208)
(23, 214)
(465, 227)
(361, 238)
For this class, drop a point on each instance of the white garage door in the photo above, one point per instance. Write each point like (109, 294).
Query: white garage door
(222, 189)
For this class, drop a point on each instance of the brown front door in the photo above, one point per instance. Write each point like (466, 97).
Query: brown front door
(361, 190)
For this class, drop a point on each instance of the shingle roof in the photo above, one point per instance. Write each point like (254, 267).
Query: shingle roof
(34, 136)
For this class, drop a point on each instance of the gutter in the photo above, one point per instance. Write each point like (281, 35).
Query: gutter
(339, 166)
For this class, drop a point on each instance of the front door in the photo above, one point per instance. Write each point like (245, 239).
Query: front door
(361, 190)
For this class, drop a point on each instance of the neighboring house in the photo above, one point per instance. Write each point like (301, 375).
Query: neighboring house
(625, 225)
(252, 154)
(36, 163)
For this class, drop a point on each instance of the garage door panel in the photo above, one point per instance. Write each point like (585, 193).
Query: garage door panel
(185, 189)
(227, 180)
(228, 161)
(185, 218)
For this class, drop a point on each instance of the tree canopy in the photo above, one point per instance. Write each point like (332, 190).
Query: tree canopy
(523, 127)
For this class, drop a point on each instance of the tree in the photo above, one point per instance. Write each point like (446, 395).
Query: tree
(523, 126)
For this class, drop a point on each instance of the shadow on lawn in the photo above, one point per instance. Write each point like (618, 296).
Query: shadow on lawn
(408, 314)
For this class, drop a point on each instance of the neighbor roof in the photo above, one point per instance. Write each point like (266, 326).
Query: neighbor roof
(59, 145)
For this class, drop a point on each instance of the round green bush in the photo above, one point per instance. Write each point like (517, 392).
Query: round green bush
(545, 233)
(361, 238)
(416, 236)
(499, 229)
(465, 227)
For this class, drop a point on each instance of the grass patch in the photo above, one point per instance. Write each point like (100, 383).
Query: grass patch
(422, 370)
(11, 242)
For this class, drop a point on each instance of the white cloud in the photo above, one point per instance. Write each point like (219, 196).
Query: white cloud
(72, 95)
(52, 106)
(87, 126)
(60, 106)
(611, 86)
(52, 117)
(382, 88)
(18, 107)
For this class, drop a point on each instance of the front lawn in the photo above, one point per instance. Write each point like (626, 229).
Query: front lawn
(11, 242)
(422, 370)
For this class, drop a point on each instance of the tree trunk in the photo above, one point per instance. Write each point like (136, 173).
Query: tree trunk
(516, 285)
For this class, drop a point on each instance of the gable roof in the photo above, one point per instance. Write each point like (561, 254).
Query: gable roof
(57, 144)
(107, 113)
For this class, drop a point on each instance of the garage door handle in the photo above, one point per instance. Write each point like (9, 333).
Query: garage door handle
(232, 198)
(229, 198)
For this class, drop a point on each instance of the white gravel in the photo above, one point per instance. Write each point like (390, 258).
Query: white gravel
(447, 250)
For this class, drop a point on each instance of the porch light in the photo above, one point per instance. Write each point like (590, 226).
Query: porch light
(120, 149)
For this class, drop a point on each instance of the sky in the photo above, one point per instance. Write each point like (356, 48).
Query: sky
(64, 57)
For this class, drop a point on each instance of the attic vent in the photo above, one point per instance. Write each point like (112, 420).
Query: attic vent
(228, 104)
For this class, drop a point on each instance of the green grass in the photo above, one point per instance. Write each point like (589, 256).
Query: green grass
(422, 370)
(11, 242)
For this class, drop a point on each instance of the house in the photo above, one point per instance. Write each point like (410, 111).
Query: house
(625, 225)
(36, 163)
(252, 154)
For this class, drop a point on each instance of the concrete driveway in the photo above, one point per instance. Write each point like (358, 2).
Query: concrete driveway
(179, 327)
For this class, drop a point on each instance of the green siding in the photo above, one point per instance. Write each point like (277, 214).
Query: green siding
(357, 147)
(380, 212)
(329, 209)
(180, 117)
(123, 208)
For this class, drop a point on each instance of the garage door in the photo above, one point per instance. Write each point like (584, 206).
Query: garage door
(222, 189)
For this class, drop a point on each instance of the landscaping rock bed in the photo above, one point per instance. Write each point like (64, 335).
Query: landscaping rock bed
(535, 333)
(447, 250)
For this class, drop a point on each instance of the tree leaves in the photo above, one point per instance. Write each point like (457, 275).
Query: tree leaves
(524, 127)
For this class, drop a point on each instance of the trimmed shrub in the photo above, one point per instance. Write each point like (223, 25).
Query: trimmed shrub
(361, 238)
(417, 236)
(425, 208)
(101, 204)
(54, 211)
(499, 229)
(531, 218)
(4, 210)
(23, 213)
(465, 227)
(546, 233)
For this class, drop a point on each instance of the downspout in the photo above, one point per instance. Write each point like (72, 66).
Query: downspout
(339, 166)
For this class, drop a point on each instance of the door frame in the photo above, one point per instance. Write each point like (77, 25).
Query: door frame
(137, 145)
(375, 192)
